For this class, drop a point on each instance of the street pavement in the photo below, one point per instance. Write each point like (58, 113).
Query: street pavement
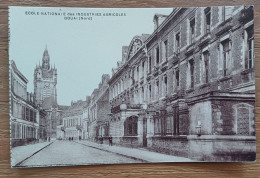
(72, 153)
(137, 153)
(65, 153)
(18, 154)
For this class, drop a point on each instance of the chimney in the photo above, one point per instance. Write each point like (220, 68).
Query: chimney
(158, 19)
(124, 53)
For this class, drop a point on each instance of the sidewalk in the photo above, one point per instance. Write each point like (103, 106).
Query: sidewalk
(135, 153)
(20, 153)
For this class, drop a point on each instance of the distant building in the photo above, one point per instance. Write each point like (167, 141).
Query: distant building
(188, 89)
(27, 120)
(45, 81)
(98, 110)
(72, 121)
(85, 121)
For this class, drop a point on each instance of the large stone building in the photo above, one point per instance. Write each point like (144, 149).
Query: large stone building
(45, 81)
(71, 125)
(188, 88)
(27, 119)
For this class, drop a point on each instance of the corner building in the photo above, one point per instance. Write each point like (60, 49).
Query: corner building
(27, 120)
(188, 89)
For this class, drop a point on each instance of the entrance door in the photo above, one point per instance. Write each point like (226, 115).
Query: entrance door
(144, 132)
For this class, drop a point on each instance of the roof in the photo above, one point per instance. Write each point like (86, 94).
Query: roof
(76, 108)
(15, 69)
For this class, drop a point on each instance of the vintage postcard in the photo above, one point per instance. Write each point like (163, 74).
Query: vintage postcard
(121, 85)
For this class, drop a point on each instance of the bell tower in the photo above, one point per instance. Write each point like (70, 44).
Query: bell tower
(46, 59)
(45, 81)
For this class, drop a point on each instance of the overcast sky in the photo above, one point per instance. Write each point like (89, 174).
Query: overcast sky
(81, 50)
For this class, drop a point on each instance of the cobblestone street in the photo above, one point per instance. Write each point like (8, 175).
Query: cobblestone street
(71, 153)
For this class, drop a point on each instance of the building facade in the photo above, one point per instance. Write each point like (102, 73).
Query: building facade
(27, 119)
(72, 121)
(98, 110)
(188, 89)
(45, 81)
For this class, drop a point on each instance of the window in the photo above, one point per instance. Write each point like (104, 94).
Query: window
(169, 125)
(142, 94)
(137, 73)
(227, 12)
(165, 50)
(157, 88)
(206, 66)
(150, 92)
(13, 130)
(157, 55)
(23, 113)
(27, 114)
(191, 70)
(157, 126)
(122, 85)
(165, 85)
(244, 121)
(249, 37)
(133, 76)
(143, 63)
(207, 20)
(177, 77)
(130, 126)
(225, 56)
(31, 115)
(192, 30)
(150, 64)
(53, 125)
(176, 120)
(177, 42)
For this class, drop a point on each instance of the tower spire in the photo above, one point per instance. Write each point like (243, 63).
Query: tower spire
(46, 59)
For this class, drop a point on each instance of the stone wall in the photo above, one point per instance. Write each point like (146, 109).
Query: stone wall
(172, 145)
(222, 148)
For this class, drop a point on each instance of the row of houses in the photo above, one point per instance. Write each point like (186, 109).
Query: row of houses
(27, 119)
(87, 119)
(187, 89)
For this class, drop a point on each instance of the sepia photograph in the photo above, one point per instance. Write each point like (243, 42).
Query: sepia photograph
(131, 85)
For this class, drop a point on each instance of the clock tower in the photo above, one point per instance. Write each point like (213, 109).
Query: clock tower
(45, 81)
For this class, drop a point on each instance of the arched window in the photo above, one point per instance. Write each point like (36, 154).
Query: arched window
(130, 126)
(244, 121)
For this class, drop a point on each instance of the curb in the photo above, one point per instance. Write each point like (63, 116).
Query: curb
(19, 164)
(131, 157)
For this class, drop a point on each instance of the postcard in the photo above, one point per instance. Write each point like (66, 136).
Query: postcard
(131, 85)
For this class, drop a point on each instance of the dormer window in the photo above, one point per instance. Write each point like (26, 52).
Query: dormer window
(157, 51)
(207, 21)
(227, 12)
(177, 42)
(164, 50)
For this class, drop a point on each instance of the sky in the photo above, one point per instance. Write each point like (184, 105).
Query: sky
(81, 50)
